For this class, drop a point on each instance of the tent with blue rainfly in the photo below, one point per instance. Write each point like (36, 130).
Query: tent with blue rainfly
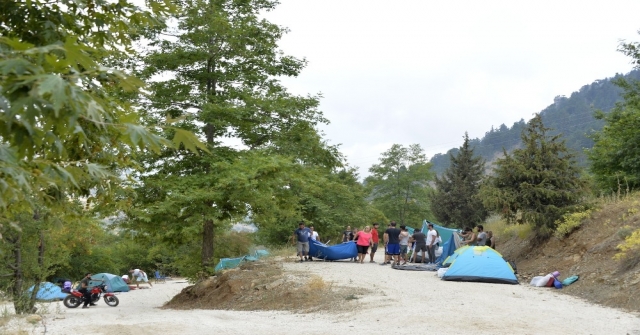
(332, 253)
(48, 291)
(114, 283)
(480, 264)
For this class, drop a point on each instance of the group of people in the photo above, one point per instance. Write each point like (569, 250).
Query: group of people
(478, 238)
(397, 242)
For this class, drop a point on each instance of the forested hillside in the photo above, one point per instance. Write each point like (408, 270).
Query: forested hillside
(572, 116)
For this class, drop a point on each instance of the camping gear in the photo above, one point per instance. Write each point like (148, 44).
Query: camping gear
(416, 267)
(75, 298)
(230, 263)
(442, 271)
(336, 252)
(570, 280)
(480, 264)
(114, 283)
(48, 291)
(556, 274)
(556, 283)
(541, 281)
(448, 260)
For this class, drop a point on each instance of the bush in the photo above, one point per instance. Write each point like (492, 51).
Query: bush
(629, 255)
(625, 232)
(570, 222)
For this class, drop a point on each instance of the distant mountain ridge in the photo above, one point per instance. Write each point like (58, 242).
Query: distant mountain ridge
(572, 116)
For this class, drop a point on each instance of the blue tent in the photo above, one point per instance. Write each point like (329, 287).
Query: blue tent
(230, 263)
(114, 283)
(334, 252)
(48, 291)
(480, 264)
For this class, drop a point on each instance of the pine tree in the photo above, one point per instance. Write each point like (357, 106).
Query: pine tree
(536, 184)
(456, 200)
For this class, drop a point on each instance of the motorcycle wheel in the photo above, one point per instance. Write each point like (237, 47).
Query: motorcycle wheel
(71, 301)
(111, 300)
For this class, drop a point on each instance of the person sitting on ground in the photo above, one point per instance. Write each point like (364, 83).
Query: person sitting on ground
(404, 243)
(491, 242)
(363, 242)
(140, 276)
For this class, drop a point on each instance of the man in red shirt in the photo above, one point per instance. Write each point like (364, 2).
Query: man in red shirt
(376, 239)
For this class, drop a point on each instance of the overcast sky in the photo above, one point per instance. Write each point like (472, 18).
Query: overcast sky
(427, 71)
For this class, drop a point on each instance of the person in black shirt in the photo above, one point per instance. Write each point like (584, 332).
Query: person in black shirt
(347, 235)
(392, 243)
(86, 293)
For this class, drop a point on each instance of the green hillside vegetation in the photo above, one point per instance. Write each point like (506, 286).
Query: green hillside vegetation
(573, 117)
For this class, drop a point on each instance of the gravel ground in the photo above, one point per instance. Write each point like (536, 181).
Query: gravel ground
(402, 301)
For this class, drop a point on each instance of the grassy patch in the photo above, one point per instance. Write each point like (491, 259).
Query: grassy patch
(570, 222)
(502, 229)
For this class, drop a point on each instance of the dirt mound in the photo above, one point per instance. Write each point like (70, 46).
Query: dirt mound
(587, 252)
(265, 286)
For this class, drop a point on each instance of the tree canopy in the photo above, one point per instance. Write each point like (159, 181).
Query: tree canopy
(537, 183)
(455, 200)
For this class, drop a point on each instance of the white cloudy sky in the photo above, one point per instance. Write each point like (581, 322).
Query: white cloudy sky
(427, 71)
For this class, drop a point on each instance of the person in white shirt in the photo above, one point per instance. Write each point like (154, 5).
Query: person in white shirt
(314, 236)
(140, 276)
(432, 239)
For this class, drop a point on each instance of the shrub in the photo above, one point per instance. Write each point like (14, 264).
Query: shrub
(625, 232)
(570, 222)
(631, 243)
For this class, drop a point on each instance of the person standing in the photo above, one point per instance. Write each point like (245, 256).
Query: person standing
(491, 242)
(347, 235)
(392, 244)
(354, 238)
(420, 240)
(84, 288)
(314, 236)
(432, 239)
(363, 242)
(482, 236)
(404, 243)
(375, 239)
(301, 236)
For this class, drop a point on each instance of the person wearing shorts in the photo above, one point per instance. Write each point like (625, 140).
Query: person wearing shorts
(363, 242)
(392, 243)
(375, 239)
(404, 243)
(301, 236)
(140, 276)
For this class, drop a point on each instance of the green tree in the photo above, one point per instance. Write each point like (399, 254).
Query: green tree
(455, 200)
(399, 184)
(535, 184)
(615, 156)
(218, 77)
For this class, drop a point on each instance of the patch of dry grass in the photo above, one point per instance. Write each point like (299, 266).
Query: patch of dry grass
(264, 285)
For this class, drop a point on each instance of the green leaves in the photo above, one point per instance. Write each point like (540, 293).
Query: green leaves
(539, 182)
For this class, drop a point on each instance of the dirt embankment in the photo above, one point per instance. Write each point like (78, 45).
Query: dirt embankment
(589, 253)
(263, 286)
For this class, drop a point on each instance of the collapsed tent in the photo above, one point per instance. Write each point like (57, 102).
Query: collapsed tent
(332, 253)
(114, 283)
(480, 264)
(230, 263)
(48, 291)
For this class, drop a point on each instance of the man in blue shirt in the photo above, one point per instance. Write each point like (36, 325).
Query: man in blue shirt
(301, 235)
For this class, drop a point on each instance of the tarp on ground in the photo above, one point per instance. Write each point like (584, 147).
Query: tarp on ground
(48, 291)
(480, 264)
(114, 283)
(332, 253)
(230, 263)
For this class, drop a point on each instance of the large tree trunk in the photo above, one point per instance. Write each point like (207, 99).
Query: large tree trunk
(207, 243)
